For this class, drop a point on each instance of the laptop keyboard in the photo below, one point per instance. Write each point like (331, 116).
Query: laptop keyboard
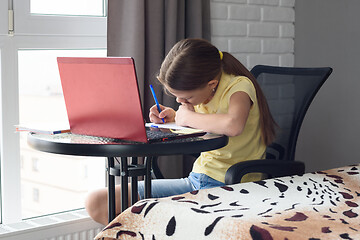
(158, 134)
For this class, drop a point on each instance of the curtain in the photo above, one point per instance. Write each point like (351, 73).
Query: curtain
(146, 30)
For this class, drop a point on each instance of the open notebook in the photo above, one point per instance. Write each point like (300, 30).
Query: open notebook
(102, 99)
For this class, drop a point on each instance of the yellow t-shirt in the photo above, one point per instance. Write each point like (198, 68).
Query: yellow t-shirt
(246, 146)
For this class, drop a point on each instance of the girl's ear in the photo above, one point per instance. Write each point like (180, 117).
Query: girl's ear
(213, 83)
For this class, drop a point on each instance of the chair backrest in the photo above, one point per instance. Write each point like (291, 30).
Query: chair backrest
(289, 92)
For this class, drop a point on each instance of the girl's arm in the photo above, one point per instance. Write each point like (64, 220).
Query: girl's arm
(230, 124)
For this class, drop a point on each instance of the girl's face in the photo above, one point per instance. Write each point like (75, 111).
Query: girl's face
(197, 96)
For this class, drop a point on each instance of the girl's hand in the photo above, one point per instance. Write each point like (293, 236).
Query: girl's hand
(167, 113)
(183, 114)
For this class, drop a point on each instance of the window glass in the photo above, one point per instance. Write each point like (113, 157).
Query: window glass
(68, 7)
(3, 23)
(51, 183)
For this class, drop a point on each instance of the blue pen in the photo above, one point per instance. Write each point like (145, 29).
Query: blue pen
(156, 101)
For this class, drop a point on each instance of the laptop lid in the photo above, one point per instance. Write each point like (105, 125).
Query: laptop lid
(102, 97)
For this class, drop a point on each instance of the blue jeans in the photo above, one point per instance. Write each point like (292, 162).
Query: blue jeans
(169, 187)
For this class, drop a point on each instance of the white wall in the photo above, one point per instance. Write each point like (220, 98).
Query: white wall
(255, 31)
(325, 33)
(328, 34)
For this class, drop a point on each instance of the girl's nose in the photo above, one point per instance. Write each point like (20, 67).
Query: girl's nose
(180, 100)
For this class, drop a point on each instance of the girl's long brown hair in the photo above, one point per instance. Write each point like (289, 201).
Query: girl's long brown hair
(192, 63)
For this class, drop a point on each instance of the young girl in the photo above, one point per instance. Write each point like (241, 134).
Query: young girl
(218, 95)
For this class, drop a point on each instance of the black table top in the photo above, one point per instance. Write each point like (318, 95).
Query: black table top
(81, 145)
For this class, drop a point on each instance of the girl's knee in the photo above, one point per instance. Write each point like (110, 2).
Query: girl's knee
(96, 205)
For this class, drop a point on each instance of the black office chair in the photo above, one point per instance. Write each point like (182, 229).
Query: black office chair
(289, 92)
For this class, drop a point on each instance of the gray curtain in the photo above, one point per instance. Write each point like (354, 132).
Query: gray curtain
(146, 30)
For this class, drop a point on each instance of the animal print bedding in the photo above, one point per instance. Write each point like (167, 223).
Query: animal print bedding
(320, 205)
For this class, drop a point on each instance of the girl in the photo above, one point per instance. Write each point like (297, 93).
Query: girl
(218, 95)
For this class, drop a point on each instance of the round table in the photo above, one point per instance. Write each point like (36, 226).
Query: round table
(81, 145)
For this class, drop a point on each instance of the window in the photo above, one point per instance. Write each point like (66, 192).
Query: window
(36, 195)
(41, 101)
(33, 93)
(3, 22)
(35, 164)
(68, 7)
(68, 23)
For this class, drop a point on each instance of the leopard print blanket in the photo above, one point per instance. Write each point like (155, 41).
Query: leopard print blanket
(320, 205)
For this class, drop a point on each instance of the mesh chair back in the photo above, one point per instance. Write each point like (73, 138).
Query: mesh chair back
(289, 92)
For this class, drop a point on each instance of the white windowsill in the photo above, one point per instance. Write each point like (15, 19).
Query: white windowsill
(51, 226)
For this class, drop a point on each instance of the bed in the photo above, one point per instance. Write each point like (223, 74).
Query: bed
(319, 205)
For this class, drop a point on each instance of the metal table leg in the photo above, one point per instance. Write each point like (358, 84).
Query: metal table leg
(124, 183)
(134, 170)
(111, 191)
(134, 182)
(147, 180)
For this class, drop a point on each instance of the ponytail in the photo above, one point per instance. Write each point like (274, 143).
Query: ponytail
(231, 65)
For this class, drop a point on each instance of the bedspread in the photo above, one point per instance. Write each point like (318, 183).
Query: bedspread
(319, 205)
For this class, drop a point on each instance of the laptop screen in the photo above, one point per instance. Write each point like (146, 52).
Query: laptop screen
(102, 97)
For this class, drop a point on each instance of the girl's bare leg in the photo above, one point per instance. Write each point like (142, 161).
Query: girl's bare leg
(96, 204)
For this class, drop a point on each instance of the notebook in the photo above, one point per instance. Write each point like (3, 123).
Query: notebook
(102, 99)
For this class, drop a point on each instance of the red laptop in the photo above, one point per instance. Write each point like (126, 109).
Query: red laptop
(102, 99)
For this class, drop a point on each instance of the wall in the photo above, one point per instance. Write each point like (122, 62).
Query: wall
(328, 34)
(255, 31)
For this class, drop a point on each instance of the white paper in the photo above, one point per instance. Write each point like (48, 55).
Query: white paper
(170, 125)
(173, 127)
(44, 128)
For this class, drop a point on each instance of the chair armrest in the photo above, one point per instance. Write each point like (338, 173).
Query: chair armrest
(273, 168)
(155, 170)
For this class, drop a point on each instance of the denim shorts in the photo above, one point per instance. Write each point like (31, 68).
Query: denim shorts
(169, 187)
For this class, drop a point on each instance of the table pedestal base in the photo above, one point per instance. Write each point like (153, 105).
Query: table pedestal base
(125, 170)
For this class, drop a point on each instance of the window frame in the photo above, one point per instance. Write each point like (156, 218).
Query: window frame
(26, 23)
(54, 33)
(4, 12)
